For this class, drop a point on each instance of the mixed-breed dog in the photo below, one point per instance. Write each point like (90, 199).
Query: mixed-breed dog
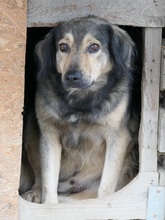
(81, 138)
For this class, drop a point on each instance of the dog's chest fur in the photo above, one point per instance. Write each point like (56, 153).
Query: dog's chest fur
(77, 134)
(83, 148)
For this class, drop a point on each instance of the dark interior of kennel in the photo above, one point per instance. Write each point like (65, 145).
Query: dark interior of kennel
(36, 34)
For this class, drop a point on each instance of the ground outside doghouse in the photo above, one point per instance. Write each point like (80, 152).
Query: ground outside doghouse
(144, 197)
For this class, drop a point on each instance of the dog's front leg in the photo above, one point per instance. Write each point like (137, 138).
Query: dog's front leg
(50, 165)
(116, 148)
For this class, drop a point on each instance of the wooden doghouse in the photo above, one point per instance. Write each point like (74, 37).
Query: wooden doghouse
(144, 197)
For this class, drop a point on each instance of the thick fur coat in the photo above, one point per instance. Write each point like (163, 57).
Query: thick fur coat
(81, 137)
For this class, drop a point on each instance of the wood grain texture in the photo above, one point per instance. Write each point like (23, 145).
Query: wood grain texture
(128, 203)
(150, 99)
(12, 47)
(146, 13)
(161, 131)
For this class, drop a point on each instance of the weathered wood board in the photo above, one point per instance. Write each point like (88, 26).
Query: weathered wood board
(12, 51)
(144, 13)
(150, 99)
(128, 203)
(161, 131)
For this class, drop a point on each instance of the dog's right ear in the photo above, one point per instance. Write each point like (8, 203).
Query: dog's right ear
(46, 55)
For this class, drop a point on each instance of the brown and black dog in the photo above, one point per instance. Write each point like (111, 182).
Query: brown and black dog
(80, 138)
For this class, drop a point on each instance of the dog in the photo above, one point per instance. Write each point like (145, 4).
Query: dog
(81, 138)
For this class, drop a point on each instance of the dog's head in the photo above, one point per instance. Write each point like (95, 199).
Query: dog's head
(82, 51)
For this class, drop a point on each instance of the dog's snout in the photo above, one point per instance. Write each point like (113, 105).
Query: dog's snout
(73, 77)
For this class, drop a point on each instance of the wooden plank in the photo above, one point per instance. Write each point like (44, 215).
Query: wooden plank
(150, 99)
(146, 13)
(161, 131)
(156, 203)
(162, 78)
(12, 47)
(128, 203)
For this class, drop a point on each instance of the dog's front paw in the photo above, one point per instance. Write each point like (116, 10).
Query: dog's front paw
(49, 197)
(33, 195)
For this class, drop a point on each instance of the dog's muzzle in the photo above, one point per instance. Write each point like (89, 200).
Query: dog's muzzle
(74, 79)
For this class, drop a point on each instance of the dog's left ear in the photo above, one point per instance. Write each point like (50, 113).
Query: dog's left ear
(122, 48)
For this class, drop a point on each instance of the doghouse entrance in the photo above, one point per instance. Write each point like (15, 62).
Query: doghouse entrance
(147, 176)
(34, 35)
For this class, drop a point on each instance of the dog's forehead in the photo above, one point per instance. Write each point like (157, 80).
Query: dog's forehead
(78, 29)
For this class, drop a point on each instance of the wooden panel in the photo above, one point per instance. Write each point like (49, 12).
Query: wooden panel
(150, 99)
(161, 131)
(146, 13)
(128, 203)
(156, 203)
(162, 80)
(12, 47)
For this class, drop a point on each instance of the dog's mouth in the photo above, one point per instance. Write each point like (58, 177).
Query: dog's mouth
(77, 85)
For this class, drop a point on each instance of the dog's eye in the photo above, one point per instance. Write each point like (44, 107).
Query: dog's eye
(64, 48)
(93, 48)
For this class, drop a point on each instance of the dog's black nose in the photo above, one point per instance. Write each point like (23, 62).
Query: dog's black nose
(73, 78)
